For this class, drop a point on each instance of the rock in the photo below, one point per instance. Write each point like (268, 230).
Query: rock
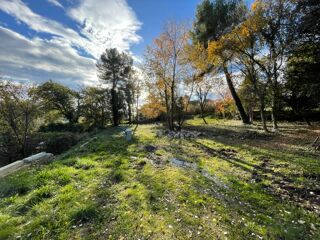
(39, 158)
(179, 134)
(8, 169)
(34, 159)
(150, 148)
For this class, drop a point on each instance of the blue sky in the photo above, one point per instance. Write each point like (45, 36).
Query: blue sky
(61, 39)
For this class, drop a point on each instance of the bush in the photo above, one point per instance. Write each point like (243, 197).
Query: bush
(9, 149)
(59, 142)
(63, 127)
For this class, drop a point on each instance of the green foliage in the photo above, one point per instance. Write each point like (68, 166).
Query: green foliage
(57, 142)
(58, 97)
(302, 79)
(114, 68)
(96, 106)
(213, 19)
(18, 114)
(308, 26)
(62, 127)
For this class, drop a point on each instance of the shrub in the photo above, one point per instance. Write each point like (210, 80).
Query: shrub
(9, 149)
(63, 127)
(58, 143)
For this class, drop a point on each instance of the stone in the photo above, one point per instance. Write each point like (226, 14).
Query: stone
(150, 148)
(10, 168)
(128, 134)
(179, 134)
(42, 157)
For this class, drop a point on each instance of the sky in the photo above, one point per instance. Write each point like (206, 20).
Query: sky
(62, 39)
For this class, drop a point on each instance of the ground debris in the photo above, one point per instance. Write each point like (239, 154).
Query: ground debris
(283, 186)
(179, 134)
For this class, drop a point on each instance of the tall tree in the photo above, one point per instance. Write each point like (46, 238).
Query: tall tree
(308, 24)
(244, 43)
(212, 21)
(165, 66)
(114, 68)
(276, 18)
(129, 93)
(301, 89)
(302, 85)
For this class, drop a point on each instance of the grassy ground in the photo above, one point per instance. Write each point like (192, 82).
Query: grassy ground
(236, 183)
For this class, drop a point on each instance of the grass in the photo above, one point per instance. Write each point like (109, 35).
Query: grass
(262, 186)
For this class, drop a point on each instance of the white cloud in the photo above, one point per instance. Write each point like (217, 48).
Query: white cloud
(108, 23)
(103, 24)
(55, 3)
(39, 60)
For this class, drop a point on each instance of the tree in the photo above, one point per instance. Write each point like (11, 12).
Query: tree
(96, 106)
(202, 89)
(165, 66)
(212, 21)
(58, 97)
(18, 112)
(154, 107)
(114, 69)
(275, 18)
(244, 43)
(220, 55)
(132, 90)
(248, 96)
(302, 86)
(301, 89)
(129, 98)
(308, 25)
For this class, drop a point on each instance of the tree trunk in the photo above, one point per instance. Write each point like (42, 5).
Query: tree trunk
(172, 108)
(243, 115)
(137, 109)
(115, 111)
(274, 112)
(166, 95)
(307, 121)
(129, 113)
(202, 113)
(262, 113)
(25, 135)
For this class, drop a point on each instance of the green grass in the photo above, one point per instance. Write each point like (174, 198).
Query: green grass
(112, 189)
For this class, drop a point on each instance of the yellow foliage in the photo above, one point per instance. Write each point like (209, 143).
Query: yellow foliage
(216, 50)
(153, 108)
(197, 55)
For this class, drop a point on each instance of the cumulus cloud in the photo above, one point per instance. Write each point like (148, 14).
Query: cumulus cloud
(38, 60)
(102, 24)
(107, 23)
